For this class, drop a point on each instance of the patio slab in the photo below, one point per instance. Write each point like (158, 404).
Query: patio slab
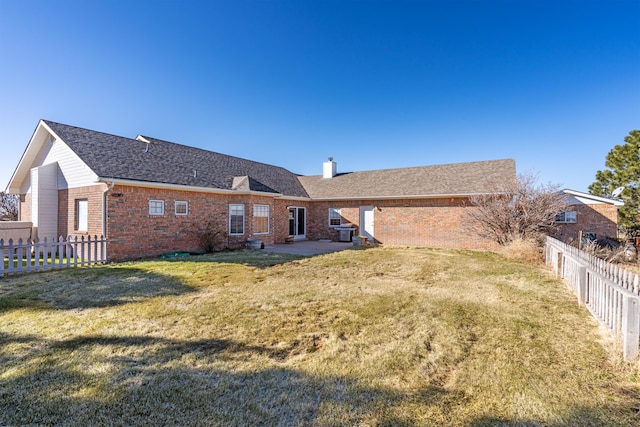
(308, 247)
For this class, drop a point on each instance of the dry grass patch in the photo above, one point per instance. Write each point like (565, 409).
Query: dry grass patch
(361, 337)
(530, 251)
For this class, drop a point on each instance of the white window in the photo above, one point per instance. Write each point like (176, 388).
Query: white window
(82, 215)
(182, 208)
(236, 219)
(156, 207)
(566, 217)
(335, 218)
(260, 219)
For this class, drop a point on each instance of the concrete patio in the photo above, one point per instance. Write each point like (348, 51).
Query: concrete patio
(308, 247)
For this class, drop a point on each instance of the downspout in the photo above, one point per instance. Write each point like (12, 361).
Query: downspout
(104, 216)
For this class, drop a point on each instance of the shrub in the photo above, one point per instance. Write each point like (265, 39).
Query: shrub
(607, 252)
(209, 235)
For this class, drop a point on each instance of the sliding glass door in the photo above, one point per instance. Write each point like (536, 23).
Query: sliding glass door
(297, 223)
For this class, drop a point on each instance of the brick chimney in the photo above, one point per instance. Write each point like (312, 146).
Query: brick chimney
(329, 168)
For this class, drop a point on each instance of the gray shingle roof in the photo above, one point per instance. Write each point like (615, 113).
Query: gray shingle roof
(451, 179)
(111, 156)
(165, 162)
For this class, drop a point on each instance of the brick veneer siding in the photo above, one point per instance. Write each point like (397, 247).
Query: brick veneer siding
(67, 210)
(133, 233)
(438, 223)
(25, 207)
(281, 221)
(601, 219)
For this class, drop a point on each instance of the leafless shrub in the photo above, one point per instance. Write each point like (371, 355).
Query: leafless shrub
(607, 253)
(522, 209)
(209, 234)
(8, 207)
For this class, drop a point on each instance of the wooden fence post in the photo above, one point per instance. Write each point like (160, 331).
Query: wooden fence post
(11, 257)
(630, 326)
(1, 258)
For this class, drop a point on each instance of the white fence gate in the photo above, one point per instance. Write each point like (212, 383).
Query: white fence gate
(28, 256)
(611, 293)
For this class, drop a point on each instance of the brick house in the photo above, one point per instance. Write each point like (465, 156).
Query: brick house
(596, 217)
(145, 194)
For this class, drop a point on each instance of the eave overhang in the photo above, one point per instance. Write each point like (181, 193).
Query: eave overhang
(163, 185)
(413, 197)
(614, 202)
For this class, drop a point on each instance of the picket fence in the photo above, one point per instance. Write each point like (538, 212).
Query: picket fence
(611, 293)
(46, 254)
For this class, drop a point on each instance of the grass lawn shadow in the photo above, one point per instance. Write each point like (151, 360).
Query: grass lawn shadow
(103, 286)
(382, 337)
(140, 380)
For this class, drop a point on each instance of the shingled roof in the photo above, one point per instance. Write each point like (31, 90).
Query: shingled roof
(460, 179)
(151, 160)
(158, 161)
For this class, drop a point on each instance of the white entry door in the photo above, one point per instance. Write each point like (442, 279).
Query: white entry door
(366, 222)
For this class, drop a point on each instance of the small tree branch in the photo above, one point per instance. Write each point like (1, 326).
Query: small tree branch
(9, 207)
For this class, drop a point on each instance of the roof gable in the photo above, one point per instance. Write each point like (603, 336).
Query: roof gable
(158, 161)
(45, 147)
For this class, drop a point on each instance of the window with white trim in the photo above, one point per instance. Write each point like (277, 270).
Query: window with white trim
(260, 219)
(181, 208)
(156, 207)
(82, 215)
(566, 217)
(236, 219)
(335, 217)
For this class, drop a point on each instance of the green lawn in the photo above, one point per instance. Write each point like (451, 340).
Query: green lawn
(364, 337)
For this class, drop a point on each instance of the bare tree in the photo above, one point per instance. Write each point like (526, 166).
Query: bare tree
(523, 209)
(8, 207)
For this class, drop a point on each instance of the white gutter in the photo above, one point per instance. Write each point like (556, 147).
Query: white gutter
(104, 208)
(301, 199)
(146, 184)
(416, 196)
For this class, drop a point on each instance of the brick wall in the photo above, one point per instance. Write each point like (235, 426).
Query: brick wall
(25, 207)
(67, 206)
(134, 233)
(64, 216)
(405, 222)
(281, 217)
(601, 219)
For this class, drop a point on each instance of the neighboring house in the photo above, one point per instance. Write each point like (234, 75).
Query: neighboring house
(596, 217)
(144, 194)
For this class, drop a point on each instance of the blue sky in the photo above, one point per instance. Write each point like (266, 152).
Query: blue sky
(374, 84)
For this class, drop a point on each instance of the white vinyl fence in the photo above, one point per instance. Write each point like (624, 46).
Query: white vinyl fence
(611, 293)
(28, 256)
